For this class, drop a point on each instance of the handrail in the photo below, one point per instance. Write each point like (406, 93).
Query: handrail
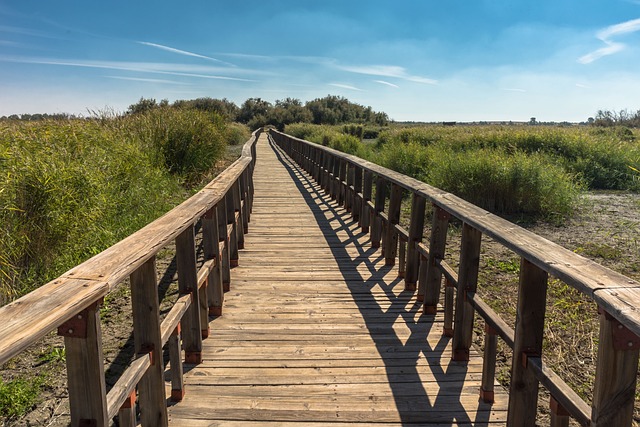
(349, 180)
(70, 302)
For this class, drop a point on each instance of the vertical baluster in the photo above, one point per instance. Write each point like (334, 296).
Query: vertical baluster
(233, 234)
(402, 258)
(175, 359)
(433, 277)
(147, 339)
(188, 284)
(244, 198)
(365, 214)
(224, 239)
(376, 224)
(335, 182)
(489, 364)
(85, 368)
(559, 415)
(342, 173)
(615, 384)
(532, 296)
(415, 236)
(357, 190)
(239, 225)
(211, 247)
(349, 198)
(391, 242)
(449, 294)
(467, 283)
(127, 412)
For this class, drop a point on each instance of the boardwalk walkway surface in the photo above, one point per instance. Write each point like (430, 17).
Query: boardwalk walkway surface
(316, 330)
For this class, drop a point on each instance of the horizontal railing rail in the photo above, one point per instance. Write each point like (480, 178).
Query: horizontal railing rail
(71, 302)
(351, 181)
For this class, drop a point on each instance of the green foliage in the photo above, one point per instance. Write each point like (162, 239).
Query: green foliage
(69, 189)
(330, 136)
(54, 354)
(18, 396)
(189, 141)
(505, 183)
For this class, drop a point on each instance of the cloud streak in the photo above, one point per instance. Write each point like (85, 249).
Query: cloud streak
(387, 71)
(606, 35)
(184, 52)
(139, 79)
(382, 82)
(343, 86)
(142, 67)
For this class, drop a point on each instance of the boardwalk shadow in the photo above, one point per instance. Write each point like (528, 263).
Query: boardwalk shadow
(435, 400)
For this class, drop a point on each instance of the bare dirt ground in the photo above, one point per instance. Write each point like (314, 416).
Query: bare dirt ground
(606, 228)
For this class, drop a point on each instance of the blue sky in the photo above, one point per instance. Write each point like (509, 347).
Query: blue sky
(416, 60)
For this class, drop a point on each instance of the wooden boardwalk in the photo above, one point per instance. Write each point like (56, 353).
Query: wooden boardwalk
(316, 330)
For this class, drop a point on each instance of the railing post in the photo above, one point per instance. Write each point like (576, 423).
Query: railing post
(467, 283)
(357, 190)
(449, 301)
(85, 368)
(224, 238)
(529, 331)
(147, 339)
(188, 284)
(237, 204)
(391, 241)
(175, 358)
(350, 193)
(342, 186)
(429, 291)
(376, 225)
(335, 179)
(233, 236)
(489, 364)
(559, 415)
(415, 236)
(365, 214)
(211, 248)
(244, 197)
(615, 384)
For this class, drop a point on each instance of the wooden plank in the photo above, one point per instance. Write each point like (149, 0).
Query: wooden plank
(85, 371)
(391, 240)
(187, 284)
(430, 288)
(529, 331)
(148, 339)
(467, 283)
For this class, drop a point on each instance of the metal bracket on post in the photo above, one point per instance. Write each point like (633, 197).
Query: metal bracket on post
(623, 338)
(76, 327)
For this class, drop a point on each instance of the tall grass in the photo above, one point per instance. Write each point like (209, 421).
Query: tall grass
(337, 137)
(69, 189)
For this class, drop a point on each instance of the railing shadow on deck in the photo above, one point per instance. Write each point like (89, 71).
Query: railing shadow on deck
(413, 402)
(350, 181)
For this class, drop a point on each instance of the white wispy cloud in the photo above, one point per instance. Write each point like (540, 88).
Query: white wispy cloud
(343, 86)
(184, 52)
(386, 71)
(142, 67)
(140, 79)
(382, 82)
(606, 35)
(580, 85)
(513, 89)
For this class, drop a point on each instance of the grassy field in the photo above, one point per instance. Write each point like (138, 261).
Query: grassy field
(71, 188)
(536, 171)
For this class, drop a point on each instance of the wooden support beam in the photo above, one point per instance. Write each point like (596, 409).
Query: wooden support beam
(365, 214)
(211, 248)
(559, 415)
(467, 283)
(188, 284)
(357, 191)
(615, 384)
(431, 287)
(489, 364)
(391, 241)
(449, 301)
(415, 235)
(523, 392)
(175, 359)
(147, 339)
(224, 237)
(127, 412)
(376, 222)
(85, 368)
(233, 235)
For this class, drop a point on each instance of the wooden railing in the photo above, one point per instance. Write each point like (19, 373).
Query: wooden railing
(352, 181)
(71, 302)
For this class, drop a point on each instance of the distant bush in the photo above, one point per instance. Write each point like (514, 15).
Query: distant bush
(506, 183)
(331, 136)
